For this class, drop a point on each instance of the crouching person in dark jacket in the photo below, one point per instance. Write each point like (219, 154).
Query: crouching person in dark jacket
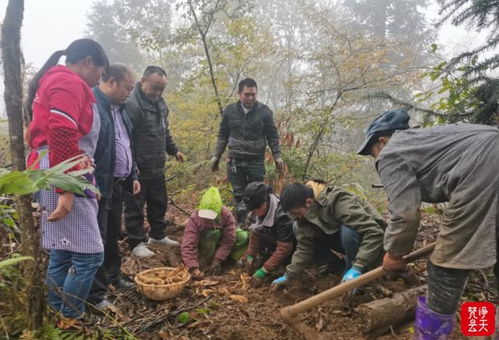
(271, 239)
(331, 218)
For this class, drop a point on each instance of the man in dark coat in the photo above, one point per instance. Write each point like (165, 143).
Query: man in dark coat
(115, 173)
(246, 128)
(152, 140)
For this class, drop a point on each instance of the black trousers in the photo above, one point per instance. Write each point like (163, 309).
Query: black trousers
(241, 173)
(153, 192)
(109, 219)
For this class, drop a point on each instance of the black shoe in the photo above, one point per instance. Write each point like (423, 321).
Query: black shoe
(123, 284)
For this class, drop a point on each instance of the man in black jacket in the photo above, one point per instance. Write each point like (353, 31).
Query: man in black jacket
(151, 136)
(247, 127)
(115, 173)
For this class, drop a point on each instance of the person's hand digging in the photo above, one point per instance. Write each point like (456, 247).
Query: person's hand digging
(196, 274)
(257, 278)
(249, 264)
(280, 282)
(215, 268)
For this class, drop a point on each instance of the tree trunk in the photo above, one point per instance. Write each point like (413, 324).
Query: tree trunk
(380, 315)
(11, 54)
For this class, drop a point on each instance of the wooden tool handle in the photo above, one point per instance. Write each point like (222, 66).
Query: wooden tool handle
(288, 312)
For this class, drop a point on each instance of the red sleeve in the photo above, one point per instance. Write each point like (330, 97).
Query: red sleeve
(254, 244)
(190, 242)
(280, 254)
(228, 237)
(65, 103)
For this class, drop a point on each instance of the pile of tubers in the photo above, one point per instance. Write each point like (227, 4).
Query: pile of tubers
(164, 276)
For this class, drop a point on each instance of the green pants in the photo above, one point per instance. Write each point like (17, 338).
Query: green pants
(210, 239)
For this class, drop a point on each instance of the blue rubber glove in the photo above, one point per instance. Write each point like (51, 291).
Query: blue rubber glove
(280, 281)
(351, 274)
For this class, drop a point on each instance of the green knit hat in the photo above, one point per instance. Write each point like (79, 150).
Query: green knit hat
(210, 205)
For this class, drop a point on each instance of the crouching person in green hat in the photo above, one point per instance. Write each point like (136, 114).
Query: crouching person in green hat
(331, 218)
(457, 164)
(211, 237)
(271, 238)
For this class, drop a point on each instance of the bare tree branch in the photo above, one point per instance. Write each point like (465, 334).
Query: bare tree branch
(203, 35)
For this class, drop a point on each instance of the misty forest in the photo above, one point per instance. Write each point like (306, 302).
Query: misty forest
(325, 69)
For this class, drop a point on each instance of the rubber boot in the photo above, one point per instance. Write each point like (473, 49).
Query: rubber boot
(430, 325)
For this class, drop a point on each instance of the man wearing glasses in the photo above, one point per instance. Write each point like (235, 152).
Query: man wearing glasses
(247, 127)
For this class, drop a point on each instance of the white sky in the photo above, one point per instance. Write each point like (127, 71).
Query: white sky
(50, 25)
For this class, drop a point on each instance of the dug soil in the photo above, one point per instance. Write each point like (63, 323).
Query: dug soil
(226, 307)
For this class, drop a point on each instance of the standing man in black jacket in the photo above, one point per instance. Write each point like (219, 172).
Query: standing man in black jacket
(152, 140)
(247, 127)
(115, 173)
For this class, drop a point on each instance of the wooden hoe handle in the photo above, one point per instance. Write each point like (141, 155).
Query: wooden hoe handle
(289, 312)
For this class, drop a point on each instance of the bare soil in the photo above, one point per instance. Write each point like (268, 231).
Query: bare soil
(226, 307)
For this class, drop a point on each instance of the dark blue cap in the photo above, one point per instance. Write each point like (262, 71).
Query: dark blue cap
(387, 121)
(255, 194)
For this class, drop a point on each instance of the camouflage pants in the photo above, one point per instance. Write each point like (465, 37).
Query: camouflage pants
(210, 239)
(445, 287)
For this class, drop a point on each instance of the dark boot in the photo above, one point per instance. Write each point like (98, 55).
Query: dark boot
(430, 325)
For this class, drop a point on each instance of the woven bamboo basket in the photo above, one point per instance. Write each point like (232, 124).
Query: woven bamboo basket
(160, 292)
